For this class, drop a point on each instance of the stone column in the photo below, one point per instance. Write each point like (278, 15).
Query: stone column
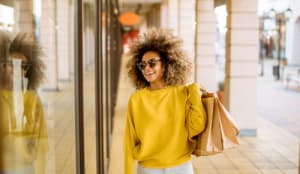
(164, 14)
(24, 21)
(179, 16)
(241, 63)
(71, 38)
(49, 43)
(295, 56)
(173, 15)
(63, 39)
(205, 45)
(186, 27)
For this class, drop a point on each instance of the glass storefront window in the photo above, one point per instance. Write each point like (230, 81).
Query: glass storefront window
(38, 131)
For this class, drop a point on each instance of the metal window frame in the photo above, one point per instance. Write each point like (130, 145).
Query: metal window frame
(79, 97)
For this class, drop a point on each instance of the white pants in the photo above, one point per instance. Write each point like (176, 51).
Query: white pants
(185, 168)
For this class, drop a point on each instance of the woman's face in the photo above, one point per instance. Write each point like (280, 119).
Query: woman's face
(7, 68)
(152, 67)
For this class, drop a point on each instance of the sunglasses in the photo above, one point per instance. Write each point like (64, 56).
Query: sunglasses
(152, 63)
(24, 66)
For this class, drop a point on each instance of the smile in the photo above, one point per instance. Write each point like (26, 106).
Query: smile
(149, 73)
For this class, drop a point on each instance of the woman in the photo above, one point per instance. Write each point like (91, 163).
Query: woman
(23, 129)
(163, 115)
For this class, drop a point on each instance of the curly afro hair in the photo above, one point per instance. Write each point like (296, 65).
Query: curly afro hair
(26, 45)
(169, 47)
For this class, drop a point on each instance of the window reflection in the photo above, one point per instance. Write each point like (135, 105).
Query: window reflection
(23, 131)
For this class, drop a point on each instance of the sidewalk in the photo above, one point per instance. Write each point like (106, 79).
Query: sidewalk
(273, 151)
(277, 102)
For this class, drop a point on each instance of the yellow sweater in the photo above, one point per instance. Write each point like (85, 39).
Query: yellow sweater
(159, 129)
(13, 149)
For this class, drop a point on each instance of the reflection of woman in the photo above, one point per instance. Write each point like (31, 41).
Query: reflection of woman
(159, 130)
(24, 136)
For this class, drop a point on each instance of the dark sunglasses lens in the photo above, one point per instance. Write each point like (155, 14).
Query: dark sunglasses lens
(25, 66)
(141, 65)
(152, 63)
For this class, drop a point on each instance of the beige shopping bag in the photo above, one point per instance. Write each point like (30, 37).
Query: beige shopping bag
(221, 130)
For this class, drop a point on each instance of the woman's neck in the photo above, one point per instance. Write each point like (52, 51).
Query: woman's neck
(157, 86)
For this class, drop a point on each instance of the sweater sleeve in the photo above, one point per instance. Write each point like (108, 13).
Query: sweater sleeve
(130, 139)
(196, 115)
